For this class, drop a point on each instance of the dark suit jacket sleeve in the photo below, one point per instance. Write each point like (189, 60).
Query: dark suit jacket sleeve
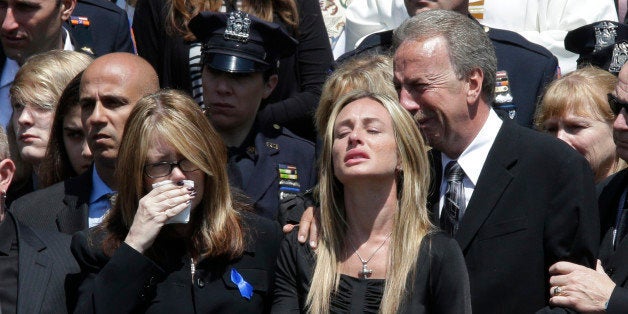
(286, 295)
(449, 279)
(119, 285)
(572, 231)
(314, 59)
(619, 301)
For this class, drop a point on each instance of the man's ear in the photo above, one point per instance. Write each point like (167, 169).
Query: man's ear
(7, 170)
(67, 7)
(270, 85)
(475, 80)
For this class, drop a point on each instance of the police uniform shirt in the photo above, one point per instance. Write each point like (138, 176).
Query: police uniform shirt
(242, 159)
(8, 266)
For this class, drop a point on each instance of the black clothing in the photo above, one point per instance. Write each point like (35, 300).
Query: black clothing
(8, 266)
(533, 205)
(129, 282)
(440, 284)
(271, 166)
(66, 205)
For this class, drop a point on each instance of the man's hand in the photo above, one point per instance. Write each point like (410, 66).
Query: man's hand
(580, 288)
(307, 227)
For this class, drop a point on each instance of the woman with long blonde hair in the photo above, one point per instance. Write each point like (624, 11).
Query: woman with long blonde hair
(378, 251)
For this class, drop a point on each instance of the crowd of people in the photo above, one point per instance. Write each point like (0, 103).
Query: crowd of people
(193, 156)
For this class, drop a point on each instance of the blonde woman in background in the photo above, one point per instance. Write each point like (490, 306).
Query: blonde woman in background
(374, 177)
(575, 109)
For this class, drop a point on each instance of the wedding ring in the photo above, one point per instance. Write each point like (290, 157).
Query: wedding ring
(558, 290)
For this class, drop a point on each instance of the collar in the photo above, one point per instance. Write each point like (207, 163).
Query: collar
(8, 234)
(99, 187)
(67, 44)
(247, 148)
(473, 157)
(8, 72)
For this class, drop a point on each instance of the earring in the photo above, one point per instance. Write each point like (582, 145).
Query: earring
(3, 198)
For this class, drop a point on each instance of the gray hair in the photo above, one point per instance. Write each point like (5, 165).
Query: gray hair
(4, 145)
(469, 46)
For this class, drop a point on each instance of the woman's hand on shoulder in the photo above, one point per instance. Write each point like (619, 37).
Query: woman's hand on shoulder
(154, 210)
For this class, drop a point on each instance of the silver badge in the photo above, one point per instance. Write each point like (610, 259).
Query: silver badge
(605, 34)
(238, 26)
(620, 56)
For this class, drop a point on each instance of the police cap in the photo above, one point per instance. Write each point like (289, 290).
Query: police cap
(237, 42)
(603, 44)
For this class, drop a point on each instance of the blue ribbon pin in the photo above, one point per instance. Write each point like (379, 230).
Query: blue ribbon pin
(246, 290)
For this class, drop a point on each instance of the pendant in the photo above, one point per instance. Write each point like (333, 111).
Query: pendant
(365, 272)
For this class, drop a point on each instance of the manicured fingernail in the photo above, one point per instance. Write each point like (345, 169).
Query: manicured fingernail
(301, 238)
(312, 244)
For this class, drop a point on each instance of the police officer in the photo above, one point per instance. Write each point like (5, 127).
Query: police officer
(603, 44)
(240, 56)
(523, 68)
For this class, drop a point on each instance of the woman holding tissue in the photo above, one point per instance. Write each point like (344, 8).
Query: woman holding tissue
(176, 240)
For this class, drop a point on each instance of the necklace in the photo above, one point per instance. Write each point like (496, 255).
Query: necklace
(192, 268)
(366, 272)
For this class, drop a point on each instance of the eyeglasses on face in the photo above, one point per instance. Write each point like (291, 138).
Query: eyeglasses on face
(164, 168)
(616, 104)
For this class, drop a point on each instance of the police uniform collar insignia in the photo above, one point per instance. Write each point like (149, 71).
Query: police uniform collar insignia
(272, 145)
(605, 34)
(288, 181)
(620, 56)
(238, 26)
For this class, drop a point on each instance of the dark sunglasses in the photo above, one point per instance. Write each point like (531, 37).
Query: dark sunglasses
(616, 104)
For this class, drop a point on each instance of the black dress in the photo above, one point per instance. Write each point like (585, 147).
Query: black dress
(301, 76)
(441, 283)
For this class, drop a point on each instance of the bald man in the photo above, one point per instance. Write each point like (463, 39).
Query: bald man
(110, 87)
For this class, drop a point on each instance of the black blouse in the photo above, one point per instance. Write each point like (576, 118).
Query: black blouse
(441, 283)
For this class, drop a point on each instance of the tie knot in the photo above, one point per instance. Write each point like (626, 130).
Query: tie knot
(454, 172)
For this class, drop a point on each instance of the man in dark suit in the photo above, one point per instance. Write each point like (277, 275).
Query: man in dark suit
(604, 289)
(515, 200)
(524, 68)
(110, 87)
(33, 263)
(268, 162)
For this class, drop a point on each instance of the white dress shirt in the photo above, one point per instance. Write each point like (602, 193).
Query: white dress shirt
(472, 159)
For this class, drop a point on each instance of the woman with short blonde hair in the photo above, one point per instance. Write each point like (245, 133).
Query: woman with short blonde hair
(575, 109)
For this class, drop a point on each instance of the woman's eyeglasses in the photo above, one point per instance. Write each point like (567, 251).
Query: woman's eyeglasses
(616, 104)
(164, 168)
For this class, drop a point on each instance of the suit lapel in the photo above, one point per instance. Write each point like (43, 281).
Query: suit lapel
(493, 181)
(265, 171)
(34, 270)
(73, 216)
(434, 194)
(617, 262)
